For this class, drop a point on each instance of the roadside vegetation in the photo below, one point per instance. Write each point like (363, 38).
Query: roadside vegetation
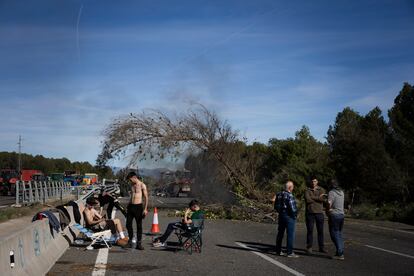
(8, 160)
(370, 156)
(8, 213)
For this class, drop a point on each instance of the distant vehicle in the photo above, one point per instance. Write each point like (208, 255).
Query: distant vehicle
(27, 175)
(8, 179)
(90, 178)
(39, 177)
(57, 176)
(178, 183)
(75, 180)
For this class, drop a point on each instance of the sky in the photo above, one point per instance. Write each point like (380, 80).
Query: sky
(67, 68)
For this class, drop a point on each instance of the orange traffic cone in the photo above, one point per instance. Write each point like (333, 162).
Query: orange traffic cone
(155, 229)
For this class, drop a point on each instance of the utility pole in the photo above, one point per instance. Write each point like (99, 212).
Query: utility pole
(19, 165)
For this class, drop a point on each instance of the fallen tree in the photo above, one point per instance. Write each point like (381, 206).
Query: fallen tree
(155, 134)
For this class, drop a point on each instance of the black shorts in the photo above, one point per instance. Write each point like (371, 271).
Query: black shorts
(108, 225)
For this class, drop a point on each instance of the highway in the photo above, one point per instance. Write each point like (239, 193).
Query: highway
(6, 201)
(247, 248)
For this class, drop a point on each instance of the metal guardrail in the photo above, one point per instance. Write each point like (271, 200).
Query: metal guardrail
(41, 191)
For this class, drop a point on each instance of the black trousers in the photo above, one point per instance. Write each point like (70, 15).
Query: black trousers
(112, 202)
(311, 218)
(134, 211)
(170, 228)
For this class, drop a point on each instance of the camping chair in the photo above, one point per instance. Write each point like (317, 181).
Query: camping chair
(102, 237)
(190, 238)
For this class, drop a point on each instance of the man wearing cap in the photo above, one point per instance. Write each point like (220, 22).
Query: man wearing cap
(96, 222)
(315, 197)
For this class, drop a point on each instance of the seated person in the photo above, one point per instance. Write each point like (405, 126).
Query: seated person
(190, 214)
(96, 222)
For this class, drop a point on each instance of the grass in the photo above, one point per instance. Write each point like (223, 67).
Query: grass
(18, 212)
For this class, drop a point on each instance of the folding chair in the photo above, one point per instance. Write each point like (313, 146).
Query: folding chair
(102, 237)
(190, 238)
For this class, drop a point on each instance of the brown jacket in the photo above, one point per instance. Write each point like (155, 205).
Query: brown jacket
(314, 204)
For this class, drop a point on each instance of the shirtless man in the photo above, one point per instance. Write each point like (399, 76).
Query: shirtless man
(135, 208)
(96, 222)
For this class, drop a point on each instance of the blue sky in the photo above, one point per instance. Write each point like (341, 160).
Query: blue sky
(268, 67)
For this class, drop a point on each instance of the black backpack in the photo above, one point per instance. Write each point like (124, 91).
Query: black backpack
(280, 202)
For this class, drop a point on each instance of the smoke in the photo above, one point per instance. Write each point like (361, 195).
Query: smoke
(209, 182)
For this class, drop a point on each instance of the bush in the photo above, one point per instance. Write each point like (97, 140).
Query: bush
(406, 214)
(365, 211)
(392, 212)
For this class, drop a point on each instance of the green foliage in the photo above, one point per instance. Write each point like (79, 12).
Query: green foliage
(390, 211)
(297, 159)
(8, 160)
(401, 146)
(360, 157)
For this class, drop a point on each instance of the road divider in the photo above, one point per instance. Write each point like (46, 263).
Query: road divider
(32, 248)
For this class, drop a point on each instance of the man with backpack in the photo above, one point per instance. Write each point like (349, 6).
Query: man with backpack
(285, 205)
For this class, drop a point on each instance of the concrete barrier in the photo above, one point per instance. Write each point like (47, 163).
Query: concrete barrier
(29, 248)
(33, 249)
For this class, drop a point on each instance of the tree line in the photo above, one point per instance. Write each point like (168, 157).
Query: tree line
(9, 160)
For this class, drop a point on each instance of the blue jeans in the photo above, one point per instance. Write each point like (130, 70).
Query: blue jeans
(336, 223)
(285, 223)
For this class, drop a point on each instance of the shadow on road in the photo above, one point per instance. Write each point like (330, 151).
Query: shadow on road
(268, 249)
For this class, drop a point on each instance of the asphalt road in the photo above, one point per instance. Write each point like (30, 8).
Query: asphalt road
(246, 248)
(6, 201)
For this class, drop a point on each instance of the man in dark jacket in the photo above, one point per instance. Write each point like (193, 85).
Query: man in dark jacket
(285, 205)
(315, 197)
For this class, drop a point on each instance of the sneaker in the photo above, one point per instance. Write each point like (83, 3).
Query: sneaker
(122, 242)
(139, 246)
(309, 251)
(158, 244)
(341, 258)
(323, 250)
(280, 254)
(292, 255)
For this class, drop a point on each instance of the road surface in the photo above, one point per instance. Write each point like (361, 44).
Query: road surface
(247, 248)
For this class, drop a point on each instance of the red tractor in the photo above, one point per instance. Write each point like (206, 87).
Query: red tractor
(8, 179)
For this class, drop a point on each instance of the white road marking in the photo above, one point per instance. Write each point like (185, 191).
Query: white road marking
(391, 229)
(390, 251)
(273, 261)
(100, 263)
(102, 258)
